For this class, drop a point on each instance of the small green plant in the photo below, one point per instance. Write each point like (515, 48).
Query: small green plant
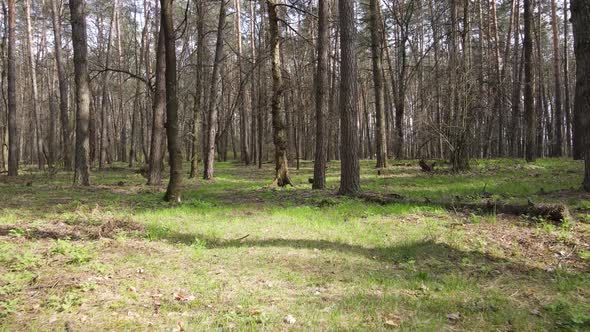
(76, 254)
(66, 303)
(8, 307)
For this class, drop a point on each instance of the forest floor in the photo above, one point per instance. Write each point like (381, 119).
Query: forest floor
(237, 254)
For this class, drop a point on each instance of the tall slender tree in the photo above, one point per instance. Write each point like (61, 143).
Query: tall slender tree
(529, 109)
(557, 148)
(172, 132)
(63, 85)
(321, 96)
(349, 166)
(80, 43)
(13, 149)
(277, 103)
(376, 34)
(580, 23)
(156, 157)
(214, 95)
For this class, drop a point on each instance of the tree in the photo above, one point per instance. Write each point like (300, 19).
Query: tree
(244, 148)
(349, 167)
(34, 88)
(277, 106)
(79, 40)
(529, 110)
(214, 97)
(175, 157)
(376, 25)
(13, 149)
(63, 86)
(321, 94)
(580, 22)
(557, 148)
(199, 88)
(156, 157)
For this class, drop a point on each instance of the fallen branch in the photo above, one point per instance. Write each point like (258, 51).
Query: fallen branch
(551, 212)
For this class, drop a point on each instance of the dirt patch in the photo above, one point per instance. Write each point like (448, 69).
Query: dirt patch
(519, 239)
(61, 230)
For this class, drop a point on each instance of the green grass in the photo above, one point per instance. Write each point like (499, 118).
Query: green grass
(238, 254)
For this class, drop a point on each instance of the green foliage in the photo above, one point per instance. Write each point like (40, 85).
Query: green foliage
(75, 254)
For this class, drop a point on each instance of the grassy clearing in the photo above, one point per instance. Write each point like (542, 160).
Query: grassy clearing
(237, 254)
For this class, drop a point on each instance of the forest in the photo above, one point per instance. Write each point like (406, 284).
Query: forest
(296, 165)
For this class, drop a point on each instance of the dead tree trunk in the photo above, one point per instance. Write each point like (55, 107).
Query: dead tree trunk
(158, 110)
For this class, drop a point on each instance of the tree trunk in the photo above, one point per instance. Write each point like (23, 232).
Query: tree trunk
(566, 81)
(277, 107)
(174, 145)
(79, 40)
(381, 134)
(321, 100)
(63, 86)
(158, 111)
(34, 88)
(214, 98)
(558, 142)
(529, 110)
(244, 148)
(349, 167)
(13, 149)
(580, 22)
(199, 89)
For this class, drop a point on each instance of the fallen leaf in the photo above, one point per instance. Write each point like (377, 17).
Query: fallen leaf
(255, 312)
(289, 319)
(454, 317)
(184, 297)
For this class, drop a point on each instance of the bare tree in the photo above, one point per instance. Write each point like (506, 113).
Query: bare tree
(175, 157)
(63, 85)
(13, 149)
(580, 23)
(376, 34)
(557, 148)
(214, 97)
(79, 40)
(350, 167)
(158, 112)
(321, 96)
(529, 109)
(277, 103)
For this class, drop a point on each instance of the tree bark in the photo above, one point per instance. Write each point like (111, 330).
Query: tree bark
(63, 86)
(34, 88)
(174, 145)
(199, 88)
(13, 149)
(158, 113)
(349, 167)
(214, 98)
(529, 110)
(558, 142)
(244, 148)
(79, 40)
(381, 133)
(321, 100)
(580, 22)
(277, 106)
